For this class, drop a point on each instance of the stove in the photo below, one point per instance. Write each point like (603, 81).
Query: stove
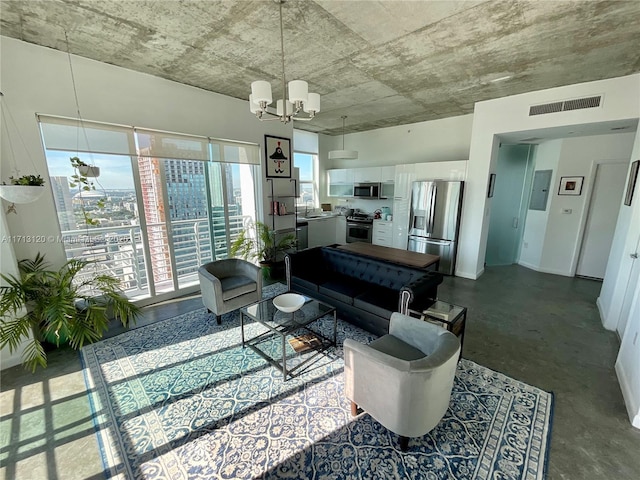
(359, 227)
(360, 218)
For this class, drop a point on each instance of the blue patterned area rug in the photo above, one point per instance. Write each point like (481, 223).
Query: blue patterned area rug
(181, 399)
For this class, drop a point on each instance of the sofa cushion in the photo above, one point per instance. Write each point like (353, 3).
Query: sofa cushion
(343, 288)
(395, 347)
(236, 285)
(378, 300)
(371, 270)
(303, 283)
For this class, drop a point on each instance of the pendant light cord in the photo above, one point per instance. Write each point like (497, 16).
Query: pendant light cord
(75, 96)
(284, 83)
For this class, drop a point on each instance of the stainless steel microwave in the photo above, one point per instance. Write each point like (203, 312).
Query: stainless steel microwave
(366, 190)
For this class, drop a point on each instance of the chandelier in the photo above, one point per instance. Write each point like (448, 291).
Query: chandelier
(286, 109)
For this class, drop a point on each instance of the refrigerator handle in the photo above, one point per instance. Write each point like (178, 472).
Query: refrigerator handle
(432, 211)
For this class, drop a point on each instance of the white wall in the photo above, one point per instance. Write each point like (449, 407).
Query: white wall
(8, 266)
(547, 156)
(435, 141)
(37, 80)
(619, 300)
(511, 114)
(554, 238)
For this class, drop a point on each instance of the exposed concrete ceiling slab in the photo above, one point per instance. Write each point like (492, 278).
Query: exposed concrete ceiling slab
(381, 63)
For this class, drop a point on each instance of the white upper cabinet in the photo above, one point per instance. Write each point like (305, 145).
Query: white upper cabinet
(340, 176)
(405, 176)
(454, 170)
(366, 175)
(388, 174)
(340, 182)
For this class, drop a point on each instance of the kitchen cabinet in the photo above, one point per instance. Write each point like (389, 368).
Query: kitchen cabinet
(382, 233)
(405, 175)
(322, 231)
(388, 174)
(454, 170)
(341, 229)
(366, 175)
(340, 182)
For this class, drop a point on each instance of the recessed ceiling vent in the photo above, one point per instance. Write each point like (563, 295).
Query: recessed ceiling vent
(566, 105)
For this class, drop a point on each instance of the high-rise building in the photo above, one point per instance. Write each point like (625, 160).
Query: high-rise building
(63, 201)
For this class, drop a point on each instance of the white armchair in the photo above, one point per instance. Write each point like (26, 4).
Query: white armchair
(229, 284)
(403, 379)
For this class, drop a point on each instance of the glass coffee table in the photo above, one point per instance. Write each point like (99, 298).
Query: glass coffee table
(282, 324)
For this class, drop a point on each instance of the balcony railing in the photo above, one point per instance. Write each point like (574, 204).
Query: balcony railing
(119, 251)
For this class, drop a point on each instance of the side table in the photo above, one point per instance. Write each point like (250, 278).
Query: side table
(447, 315)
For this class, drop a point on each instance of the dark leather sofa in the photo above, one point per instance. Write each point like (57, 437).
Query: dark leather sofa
(364, 290)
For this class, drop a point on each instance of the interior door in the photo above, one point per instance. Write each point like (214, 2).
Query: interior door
(506, 222)
(607, 194)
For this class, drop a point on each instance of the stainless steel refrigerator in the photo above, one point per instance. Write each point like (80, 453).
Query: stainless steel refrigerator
(435, 220)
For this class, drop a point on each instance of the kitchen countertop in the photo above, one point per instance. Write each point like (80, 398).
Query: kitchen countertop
(318, 216)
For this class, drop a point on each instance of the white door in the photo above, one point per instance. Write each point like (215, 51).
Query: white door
(607, 194)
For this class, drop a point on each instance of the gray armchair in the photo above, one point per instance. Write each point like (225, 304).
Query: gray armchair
(229, 284)
(403, 379)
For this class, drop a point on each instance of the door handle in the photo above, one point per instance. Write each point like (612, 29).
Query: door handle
(634, 255)
(515, 222)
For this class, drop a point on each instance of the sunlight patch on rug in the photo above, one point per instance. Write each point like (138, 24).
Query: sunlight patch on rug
(181, 399)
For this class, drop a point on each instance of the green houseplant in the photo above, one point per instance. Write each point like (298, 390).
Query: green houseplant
(23, 189)
(58, 305)
(259, 242)
(80, 179)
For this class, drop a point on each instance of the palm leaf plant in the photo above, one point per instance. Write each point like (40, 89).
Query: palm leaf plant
(258, 242)
(58, 305)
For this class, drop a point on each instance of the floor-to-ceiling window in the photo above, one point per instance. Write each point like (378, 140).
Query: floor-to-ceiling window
(163, 204)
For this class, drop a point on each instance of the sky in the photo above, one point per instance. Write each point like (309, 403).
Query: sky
(115, 170)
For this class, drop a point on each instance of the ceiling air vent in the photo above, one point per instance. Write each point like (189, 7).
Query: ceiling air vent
(547, 108)
(566, 105)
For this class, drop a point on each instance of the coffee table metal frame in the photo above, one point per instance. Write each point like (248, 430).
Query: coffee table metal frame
(282, 324)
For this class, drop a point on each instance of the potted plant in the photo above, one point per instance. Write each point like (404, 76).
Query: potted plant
(259, 242)
(84, 169)
(24, 189)
(58, 305)
(81, 180)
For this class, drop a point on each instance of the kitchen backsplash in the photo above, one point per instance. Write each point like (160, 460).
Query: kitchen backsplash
(368, 206)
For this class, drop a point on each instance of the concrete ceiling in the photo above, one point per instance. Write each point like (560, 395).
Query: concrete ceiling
(381, 63)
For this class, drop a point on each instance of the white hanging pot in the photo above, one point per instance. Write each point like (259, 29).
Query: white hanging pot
(21, 193)
(89, 171)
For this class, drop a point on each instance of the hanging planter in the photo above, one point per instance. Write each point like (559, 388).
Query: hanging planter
(25, 189)
(89, 171)
(84, 169)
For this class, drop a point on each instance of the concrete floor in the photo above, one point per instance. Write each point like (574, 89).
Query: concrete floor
(538, 328)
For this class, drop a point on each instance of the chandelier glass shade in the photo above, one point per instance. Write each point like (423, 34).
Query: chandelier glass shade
(300, 99)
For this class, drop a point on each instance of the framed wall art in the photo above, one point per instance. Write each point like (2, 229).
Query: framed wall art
(631, 185)
(492, 185)
(570, 186)
(277, 156)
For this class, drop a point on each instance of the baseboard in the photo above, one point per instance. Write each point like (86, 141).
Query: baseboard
(632, 403)
(470, 276)
(603, 317)
(544, 270)
(530, 266)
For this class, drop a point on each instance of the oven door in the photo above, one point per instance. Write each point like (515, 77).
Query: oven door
(359, 232)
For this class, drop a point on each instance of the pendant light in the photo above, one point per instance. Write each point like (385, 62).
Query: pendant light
(343, 154)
